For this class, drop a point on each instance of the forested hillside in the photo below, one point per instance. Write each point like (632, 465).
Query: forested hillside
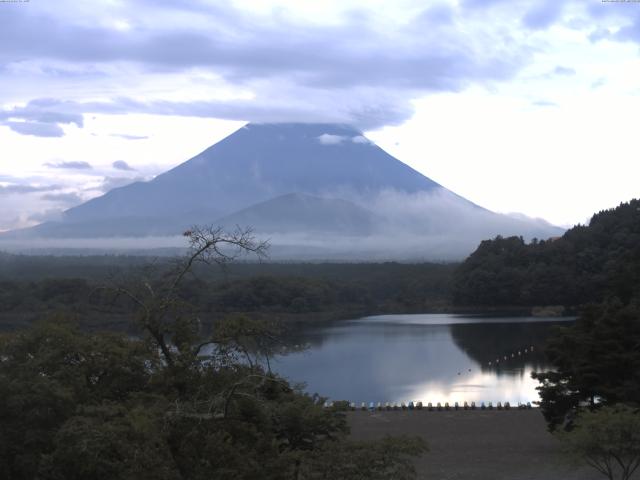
(587, 264)
(595, 268)
(31, 287)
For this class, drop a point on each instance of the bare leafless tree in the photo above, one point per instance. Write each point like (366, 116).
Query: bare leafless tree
(160, 311)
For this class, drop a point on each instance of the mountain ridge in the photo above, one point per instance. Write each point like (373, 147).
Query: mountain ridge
(268, 170)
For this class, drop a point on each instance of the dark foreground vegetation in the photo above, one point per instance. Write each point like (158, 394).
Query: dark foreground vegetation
(83, 406)
(174, 403)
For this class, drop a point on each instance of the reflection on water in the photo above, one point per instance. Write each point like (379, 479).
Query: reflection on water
(428, 358)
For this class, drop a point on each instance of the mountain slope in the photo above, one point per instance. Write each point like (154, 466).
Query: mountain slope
(309, 186)
(259, 162)
(297, 212)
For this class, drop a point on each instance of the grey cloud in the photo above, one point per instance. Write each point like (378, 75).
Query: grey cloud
(70, 165)
(200, 7)
(543, 15)
(25, 188)
(129, 137)
(350, 64)
(9, 178)
(366, 111)
(122, 165)
(599, 34)
(566, 71)
(36, 129)
(483, 3)
(599, 83)
(38, 119)
(66, 198)
(631, 31)
(439, 14)
(609, 17)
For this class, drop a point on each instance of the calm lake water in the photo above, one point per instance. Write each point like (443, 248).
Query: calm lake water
(428, 358)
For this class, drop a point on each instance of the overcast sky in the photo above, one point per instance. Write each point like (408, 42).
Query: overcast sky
(519, 106)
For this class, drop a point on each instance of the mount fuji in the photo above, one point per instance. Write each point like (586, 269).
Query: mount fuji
(317, 190)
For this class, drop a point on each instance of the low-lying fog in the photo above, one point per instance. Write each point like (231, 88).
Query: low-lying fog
(436, 226)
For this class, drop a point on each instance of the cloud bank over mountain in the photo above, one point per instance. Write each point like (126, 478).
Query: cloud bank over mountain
(357, 70)
(79, 76)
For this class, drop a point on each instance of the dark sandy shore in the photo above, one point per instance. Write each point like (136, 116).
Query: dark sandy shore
(479, 445)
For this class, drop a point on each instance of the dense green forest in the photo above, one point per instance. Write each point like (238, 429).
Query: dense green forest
(587, 264)
(33, 286)
(595, 268)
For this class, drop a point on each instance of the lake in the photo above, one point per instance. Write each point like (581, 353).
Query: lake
(426, 357)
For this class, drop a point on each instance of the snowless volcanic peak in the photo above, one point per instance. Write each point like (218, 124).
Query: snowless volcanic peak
(297, 182)
(259, 162)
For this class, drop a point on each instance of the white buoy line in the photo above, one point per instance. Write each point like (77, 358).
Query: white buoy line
(439, 406)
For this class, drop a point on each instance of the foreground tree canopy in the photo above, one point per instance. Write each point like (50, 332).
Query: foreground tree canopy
(102, 406)
(172, 404)
(597, 362)
(608, 440)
